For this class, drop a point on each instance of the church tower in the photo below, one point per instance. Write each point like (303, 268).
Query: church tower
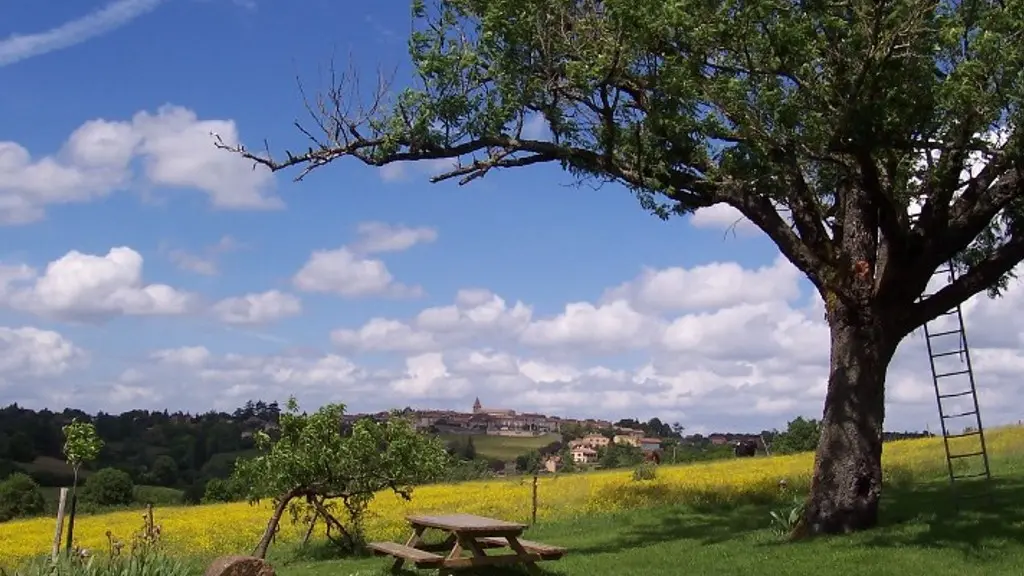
(477, 407)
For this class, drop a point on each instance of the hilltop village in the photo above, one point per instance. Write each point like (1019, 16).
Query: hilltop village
(585, 436)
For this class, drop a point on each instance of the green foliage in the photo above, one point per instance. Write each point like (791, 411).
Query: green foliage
(164, 471)
(468, 470)
(528, 463)
(223, 490)
(21, 448)
(617, 455)
(462, 447)
(785, 520)
(81, 445)
(20, 496)
(801, 435)
(645, 471)
(313, 459)
(108, 487)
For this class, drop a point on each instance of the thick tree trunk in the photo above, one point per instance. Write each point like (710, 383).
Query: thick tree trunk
(847, 480)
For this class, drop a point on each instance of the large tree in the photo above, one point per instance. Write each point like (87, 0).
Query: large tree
(823, 123)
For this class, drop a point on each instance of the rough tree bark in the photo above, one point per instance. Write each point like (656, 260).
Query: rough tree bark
(847, 481)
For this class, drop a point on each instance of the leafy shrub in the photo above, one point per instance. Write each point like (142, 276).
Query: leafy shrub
(109, 487)
(20, 496)
(645, 471)
(783, 521)
(223, 490)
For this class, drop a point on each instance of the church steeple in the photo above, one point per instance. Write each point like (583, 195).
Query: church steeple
(477, 406)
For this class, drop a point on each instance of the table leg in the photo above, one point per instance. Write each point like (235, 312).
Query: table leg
(456, 552)
(513, 543)
(417, 534)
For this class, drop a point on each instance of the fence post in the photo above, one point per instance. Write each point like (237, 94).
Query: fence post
(534, 513)
(59, 531)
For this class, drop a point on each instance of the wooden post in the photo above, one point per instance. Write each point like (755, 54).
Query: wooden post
(534, 514)
(71, 523)
(60, 524)
(150, 530)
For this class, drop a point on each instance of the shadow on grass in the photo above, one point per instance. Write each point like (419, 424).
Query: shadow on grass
(982, 520)
(921, 515)
(707, 525)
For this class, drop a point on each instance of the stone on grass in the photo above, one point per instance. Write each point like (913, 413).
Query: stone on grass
(239, 566)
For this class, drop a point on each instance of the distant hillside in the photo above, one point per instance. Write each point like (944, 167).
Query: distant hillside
(505, 448)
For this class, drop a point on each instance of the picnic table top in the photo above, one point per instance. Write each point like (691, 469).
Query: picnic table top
(465, 523)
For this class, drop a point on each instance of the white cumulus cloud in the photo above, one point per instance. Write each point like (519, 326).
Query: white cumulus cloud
(175, 148)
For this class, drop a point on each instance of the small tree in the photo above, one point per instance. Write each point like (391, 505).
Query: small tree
(313, 460)
(20, 496)
(81, 445)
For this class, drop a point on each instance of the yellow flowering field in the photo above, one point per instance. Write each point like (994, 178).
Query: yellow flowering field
(233, 528)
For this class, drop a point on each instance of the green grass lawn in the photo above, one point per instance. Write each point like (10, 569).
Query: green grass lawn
(920, 534)
(505, 448)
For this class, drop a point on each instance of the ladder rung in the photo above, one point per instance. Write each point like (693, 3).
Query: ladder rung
(962, 434)
(943, 333)
(941, 354)
(957, 373)
(960, 415)
(955, 395)
(967, 455)
(967, 476)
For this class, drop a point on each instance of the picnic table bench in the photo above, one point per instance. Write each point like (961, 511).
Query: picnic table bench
(466, 533)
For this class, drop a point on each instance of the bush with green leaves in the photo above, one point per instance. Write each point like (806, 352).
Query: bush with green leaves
(109, 487)
(223, 490)
(20, 496)
(314, 460)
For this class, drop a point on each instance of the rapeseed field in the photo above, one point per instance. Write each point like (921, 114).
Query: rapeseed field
(234, 528)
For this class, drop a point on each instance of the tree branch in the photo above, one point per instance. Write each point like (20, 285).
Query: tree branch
(758, 208)
(970, 216)
(979, 277)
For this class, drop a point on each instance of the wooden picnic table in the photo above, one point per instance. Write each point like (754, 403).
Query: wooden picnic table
(470, 534)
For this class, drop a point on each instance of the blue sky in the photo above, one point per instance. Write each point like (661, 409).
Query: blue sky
(525, 236)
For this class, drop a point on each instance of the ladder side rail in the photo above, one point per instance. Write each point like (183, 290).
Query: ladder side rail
(974, 389)
(938, 401)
